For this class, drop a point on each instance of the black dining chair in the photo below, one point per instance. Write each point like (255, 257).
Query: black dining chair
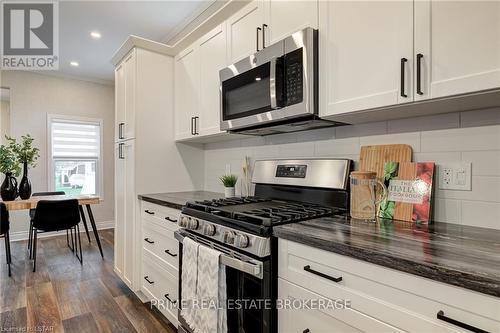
(56, 215)
(4, 231)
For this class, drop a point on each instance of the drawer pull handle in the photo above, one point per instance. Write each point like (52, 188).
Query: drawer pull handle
(170, 253)
(441, 316)
(147, 279)
(331, 278)
(168, 299)
(149, 241)
(306, 330)
(170, 219)
(149, 212)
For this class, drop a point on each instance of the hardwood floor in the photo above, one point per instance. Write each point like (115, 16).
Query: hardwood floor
(64, 296)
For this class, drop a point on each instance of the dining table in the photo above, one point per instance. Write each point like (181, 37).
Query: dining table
(83, 200)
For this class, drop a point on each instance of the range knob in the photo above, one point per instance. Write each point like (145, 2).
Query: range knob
(183, 221)
(209, 229)
(241, 241)
(193, 224)
(228, 237)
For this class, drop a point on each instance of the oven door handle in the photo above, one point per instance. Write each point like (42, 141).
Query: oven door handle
(250, 266)
(272, 83)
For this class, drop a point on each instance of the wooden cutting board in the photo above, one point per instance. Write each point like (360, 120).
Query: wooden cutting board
(373, 158)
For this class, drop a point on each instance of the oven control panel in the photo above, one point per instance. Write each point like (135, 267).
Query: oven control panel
(291, 171)
(245, 242)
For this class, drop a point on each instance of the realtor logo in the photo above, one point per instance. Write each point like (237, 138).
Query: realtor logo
(29, 35)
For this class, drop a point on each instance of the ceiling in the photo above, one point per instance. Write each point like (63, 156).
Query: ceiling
(115, 21)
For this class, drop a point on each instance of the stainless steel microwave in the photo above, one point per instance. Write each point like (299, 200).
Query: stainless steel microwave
(274, 90)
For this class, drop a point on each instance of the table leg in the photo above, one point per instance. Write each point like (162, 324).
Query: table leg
(84, 220)
(92, 222)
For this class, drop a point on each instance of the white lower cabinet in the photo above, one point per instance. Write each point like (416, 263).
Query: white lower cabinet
(381, 299)
(160, 258)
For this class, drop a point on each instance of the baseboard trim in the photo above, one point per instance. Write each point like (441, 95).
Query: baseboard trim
(23, 235)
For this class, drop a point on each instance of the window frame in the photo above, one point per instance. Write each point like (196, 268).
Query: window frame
(50, 159)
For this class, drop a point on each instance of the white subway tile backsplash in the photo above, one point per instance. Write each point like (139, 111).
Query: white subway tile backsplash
(479, 145)
(447, 210)
(337, 147)
(412, 139)
(481, 214)
(427, 123)
(484, 163)
(462, 139)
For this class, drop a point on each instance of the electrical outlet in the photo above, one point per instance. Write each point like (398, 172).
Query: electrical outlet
(455, 176)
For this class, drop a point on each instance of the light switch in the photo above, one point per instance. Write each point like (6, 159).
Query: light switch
(455, 176)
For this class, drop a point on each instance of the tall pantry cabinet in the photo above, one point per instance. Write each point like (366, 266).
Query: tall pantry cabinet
(143, 137)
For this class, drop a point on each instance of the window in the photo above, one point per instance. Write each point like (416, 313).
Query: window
(75, 165)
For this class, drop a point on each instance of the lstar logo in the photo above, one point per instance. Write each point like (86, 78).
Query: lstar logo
(30, 35)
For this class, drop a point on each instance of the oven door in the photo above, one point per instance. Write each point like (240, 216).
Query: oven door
(245, 288)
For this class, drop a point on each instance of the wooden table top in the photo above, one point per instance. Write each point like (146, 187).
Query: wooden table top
(30, 203)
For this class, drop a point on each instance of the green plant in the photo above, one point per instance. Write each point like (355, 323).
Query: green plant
(9, 161)
(229, 180)
(25, 151)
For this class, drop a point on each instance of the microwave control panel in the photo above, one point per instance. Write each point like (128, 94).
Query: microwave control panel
(294, 77)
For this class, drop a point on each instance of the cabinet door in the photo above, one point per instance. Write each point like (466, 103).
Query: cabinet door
(286, 17)
(460, 45)
(119, 101)
(363, 47)
(130, 84)
(187, 88)
(244, 31)
(119, 211)
(212, 59)
(128, 157)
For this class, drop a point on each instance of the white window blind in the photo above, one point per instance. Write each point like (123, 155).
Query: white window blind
(75, 139)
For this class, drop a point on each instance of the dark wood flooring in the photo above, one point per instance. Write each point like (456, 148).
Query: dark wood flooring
(64, 296)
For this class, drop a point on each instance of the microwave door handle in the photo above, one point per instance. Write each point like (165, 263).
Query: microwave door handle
(272, 84)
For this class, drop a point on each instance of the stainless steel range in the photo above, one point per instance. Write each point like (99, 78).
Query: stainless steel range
(286, 191)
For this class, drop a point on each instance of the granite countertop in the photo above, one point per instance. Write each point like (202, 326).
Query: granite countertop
(178, 199)
(463, 256)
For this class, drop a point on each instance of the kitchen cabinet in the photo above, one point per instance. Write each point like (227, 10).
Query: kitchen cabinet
(212, 50)
(244, 31)
(125, 211)
(459, 47)
(378, 296)
(125, 98)
(366, 55)
(286, 17)
(187, 90)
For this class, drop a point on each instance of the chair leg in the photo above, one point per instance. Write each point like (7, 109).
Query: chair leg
(72, 247)
(78, 244)
(35, 232)
(30, 237)
(7, 251)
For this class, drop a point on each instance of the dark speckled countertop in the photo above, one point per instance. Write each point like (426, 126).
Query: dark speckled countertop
(178, 199)
(463, 256)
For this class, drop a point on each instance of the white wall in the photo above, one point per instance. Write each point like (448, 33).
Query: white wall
(33, 96)
(468, 136)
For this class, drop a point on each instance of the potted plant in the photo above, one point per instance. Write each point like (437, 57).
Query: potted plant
(27, 155)
(9, 166)
(229, 182)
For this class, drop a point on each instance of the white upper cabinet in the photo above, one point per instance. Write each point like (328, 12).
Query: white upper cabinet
(244, 31)
(125, 98)
(459, 43)
(187, 88)
(286, 17)
(212, 49)
(366, 55)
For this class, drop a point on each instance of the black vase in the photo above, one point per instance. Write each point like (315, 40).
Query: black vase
(8, 190)
(25, 185)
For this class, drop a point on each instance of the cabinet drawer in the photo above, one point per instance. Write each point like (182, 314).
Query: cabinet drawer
(321, 319)
(416, 300)
(163, 216)
(162, 244)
